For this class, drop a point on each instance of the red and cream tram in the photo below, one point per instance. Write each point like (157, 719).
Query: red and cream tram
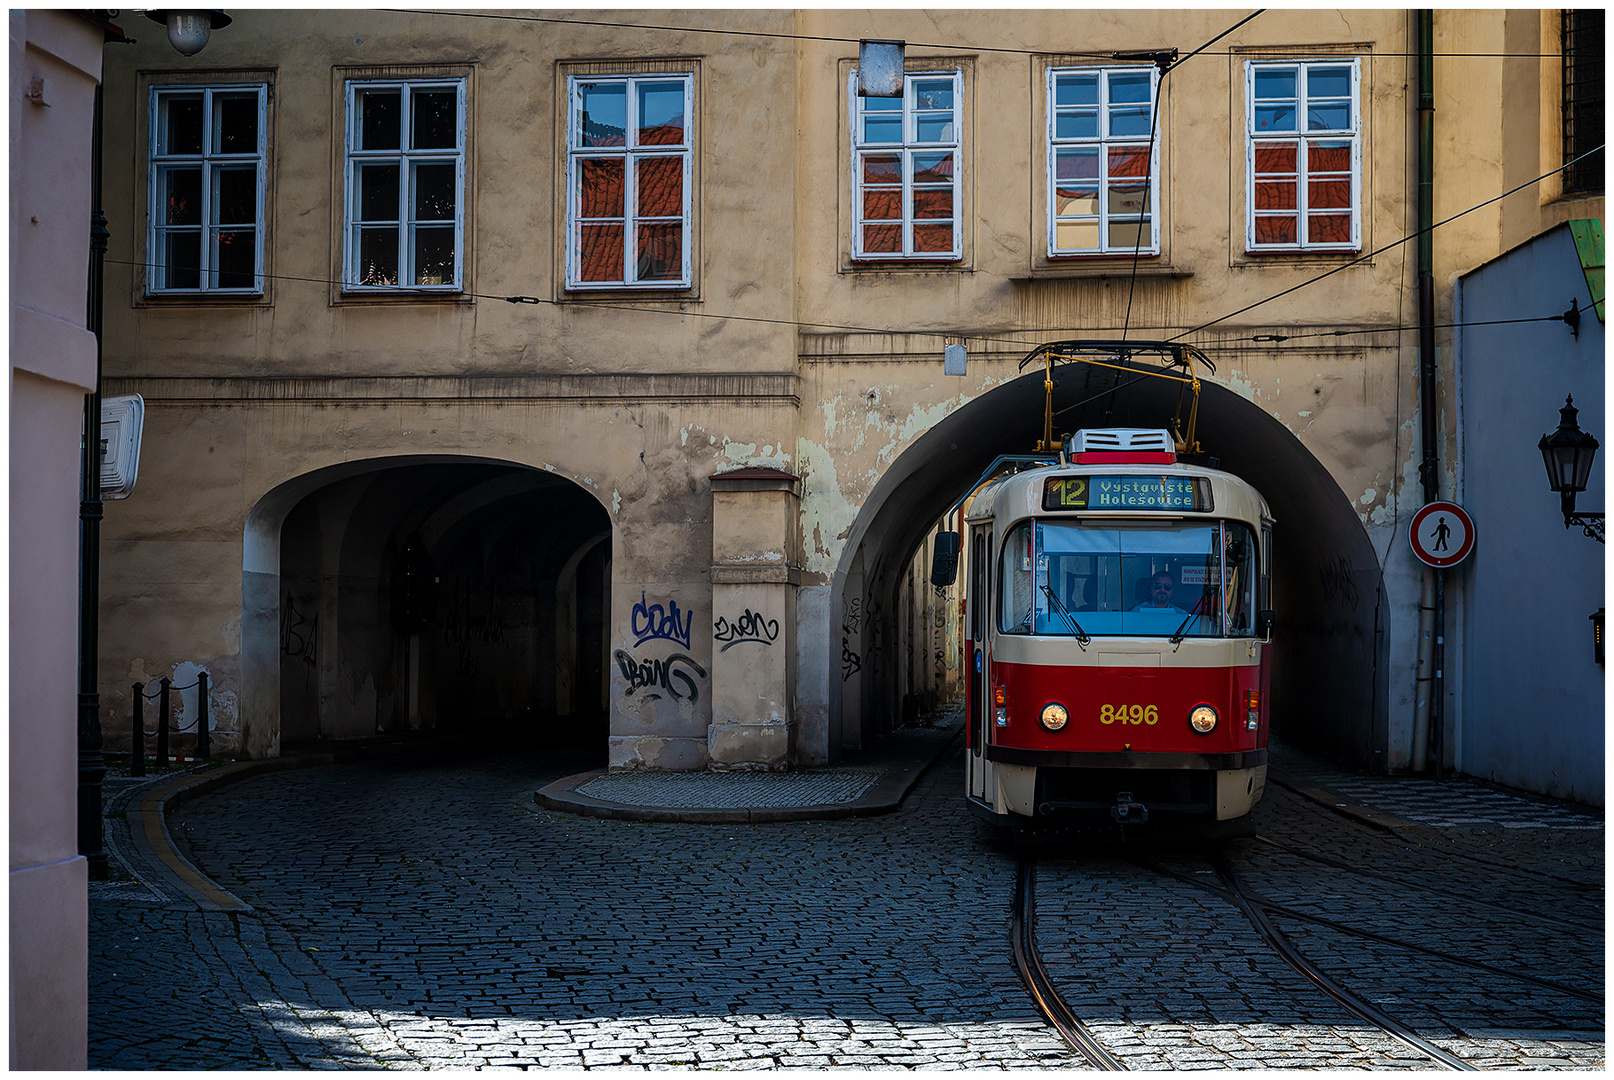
(1118, 638)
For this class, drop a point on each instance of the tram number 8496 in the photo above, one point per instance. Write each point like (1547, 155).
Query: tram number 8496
(1129, 714)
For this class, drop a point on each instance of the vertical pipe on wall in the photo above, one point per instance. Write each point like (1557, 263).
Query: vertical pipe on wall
(91, 766)
(1429, 684)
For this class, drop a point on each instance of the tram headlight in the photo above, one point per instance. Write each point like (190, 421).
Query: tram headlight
(1202, 719)
(1054, 716)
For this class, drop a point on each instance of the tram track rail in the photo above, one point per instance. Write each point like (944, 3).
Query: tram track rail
(1028, 961)
(1280, 943)
(1273, 908)
(1556, 920)
(1260, 912)
(1407, 832)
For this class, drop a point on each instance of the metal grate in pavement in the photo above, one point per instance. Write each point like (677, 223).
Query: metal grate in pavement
(731, 790)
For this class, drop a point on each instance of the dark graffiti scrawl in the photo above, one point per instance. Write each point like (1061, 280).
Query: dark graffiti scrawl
(748, 627)
(1339, 587)
(851, 662)
(854, 615)
(667, 623)
(660, 675)
(299, 634)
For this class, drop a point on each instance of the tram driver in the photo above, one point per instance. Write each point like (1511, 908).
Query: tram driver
(1160, 590)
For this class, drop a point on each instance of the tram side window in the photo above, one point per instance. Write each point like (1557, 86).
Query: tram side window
(1018, 591)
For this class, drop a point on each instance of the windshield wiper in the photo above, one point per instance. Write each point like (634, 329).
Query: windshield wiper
(1075, 628)
(1182, 631)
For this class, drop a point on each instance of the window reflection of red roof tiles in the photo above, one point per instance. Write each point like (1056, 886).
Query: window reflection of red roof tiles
(602, 194)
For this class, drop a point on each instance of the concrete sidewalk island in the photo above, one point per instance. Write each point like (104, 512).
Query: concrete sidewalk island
(877, 786)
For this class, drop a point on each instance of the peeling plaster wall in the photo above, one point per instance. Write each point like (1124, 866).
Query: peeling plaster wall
(639, 407)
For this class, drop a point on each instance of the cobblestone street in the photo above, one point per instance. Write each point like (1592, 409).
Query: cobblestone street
(429, 914)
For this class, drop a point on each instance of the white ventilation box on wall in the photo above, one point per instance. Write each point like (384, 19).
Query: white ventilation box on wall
(121, 421)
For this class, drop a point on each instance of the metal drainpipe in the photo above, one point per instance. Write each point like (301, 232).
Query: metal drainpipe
(1430, 690)
(91, 765)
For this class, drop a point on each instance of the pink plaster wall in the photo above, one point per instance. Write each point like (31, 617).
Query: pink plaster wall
(52, 367)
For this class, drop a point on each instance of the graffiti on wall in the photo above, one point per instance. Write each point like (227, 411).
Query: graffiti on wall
(851, 662)
(299, 633)
(655, 621)
(1338, 586)
(675, 676)
(461, 625)
(854, 615)
(749, 627)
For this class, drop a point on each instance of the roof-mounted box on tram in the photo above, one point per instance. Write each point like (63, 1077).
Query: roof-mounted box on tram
(1117, 631)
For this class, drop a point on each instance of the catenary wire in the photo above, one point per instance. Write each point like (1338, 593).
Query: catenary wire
(799, 324)
(834, 39)
(1154, 126)
(1387, 247)
(808, 325)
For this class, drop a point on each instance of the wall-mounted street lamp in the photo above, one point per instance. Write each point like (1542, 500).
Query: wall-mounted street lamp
(188, 28)
(1568, 454)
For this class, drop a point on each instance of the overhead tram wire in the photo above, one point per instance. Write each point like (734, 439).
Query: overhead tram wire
(833, 39)
(1279, 338)
(1017, 342)
(829, 38)
(1387, 247)
(1167, 66)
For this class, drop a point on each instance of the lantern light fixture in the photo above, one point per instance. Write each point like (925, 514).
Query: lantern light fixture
(1568, 453)
(189, 28)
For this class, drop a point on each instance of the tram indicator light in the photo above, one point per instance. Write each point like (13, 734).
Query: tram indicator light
(1252, 710)
(1122, 492)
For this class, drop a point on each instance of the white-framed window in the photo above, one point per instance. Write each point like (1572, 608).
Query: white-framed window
(629, 151)
(404, 220)
(1103, 186)
(905, 169)
(206, 190)
(1304, 155)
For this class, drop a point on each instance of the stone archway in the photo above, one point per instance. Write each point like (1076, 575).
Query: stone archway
(1330, 685)
(400, 594)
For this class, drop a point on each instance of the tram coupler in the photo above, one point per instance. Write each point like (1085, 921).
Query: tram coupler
(1127, 812)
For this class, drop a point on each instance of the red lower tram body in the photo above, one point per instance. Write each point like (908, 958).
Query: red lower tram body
(1127, 750)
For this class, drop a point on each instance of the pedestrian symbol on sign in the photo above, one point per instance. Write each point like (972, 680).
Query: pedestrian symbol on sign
(1442, 534)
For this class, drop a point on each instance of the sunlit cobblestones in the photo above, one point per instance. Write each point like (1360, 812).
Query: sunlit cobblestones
(431, 916)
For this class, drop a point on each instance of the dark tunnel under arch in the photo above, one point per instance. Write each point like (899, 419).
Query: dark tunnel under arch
(460, 595)
(1329, 683)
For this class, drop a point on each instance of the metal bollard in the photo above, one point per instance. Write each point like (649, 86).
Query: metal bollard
(137, 747)
(202, 748)
(162, 724)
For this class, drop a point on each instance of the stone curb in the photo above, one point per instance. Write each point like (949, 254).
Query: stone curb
(1343, 806)
(147, 809)
(886, 795)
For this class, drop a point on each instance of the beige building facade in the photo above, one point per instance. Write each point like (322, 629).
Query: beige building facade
(579, 376)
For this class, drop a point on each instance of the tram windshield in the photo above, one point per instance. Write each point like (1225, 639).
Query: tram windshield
(1143, 579)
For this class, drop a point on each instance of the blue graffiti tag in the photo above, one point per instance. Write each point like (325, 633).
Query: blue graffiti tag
(653, 621)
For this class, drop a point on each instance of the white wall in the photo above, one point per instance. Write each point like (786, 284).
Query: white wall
(1532, 713)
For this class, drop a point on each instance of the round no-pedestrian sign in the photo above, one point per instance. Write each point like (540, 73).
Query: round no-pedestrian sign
(1442, 534)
